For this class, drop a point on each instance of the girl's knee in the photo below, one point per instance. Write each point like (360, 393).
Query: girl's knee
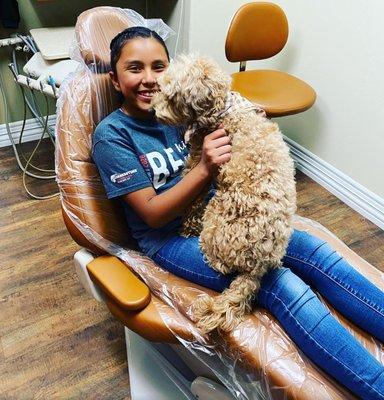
(282, 284)
(279, 278)
(309, 247)
(300, 239)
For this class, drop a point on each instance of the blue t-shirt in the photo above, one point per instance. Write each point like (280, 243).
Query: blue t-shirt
(133, 154)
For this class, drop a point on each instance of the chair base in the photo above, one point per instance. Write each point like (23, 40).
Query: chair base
(157, 372)
(151, 375)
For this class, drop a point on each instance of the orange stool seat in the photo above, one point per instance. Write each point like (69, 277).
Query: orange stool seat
(278, 93)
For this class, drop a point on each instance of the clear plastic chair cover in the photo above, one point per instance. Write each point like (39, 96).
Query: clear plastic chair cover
(255, 361)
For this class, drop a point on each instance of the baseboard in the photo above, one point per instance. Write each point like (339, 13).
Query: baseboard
(359, 198)
(32, 130)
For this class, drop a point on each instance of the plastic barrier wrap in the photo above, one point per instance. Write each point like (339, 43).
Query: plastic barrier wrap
(255, 361)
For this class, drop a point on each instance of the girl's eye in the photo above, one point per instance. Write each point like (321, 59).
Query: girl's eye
(159, 67)
(134, 68)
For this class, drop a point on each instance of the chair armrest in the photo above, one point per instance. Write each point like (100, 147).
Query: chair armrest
(117, 281)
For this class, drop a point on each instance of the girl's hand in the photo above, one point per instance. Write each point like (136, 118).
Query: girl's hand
(157, 210)
(216, 151)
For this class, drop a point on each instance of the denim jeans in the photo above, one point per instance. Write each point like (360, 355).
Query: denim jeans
(285, 292)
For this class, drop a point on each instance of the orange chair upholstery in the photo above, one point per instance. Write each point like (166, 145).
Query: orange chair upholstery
(258, 31)
(259, 343)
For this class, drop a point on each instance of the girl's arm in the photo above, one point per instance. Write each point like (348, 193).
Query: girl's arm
(157, 210)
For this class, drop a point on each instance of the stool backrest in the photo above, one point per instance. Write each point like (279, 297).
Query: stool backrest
(257, 31)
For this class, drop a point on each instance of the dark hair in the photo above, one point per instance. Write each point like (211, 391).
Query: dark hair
(133, 32)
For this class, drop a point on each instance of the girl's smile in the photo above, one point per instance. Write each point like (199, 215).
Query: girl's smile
(146, 95)
(141, 61)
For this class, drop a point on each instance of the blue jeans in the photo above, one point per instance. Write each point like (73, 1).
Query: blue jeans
(305, 319)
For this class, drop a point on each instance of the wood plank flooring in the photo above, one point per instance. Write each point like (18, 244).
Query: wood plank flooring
(55, 341)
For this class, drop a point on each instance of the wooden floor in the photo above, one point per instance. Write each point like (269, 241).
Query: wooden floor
(55, 341)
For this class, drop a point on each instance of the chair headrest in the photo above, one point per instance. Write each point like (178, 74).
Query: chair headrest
(95, 28)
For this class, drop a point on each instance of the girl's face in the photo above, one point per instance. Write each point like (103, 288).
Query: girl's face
(141, 61)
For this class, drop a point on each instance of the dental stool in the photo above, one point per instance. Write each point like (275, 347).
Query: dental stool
(168, 358)
(259, 31)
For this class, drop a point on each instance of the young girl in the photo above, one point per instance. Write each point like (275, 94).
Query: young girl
(140, 161)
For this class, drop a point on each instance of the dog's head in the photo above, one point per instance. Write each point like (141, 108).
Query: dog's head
(193, 89)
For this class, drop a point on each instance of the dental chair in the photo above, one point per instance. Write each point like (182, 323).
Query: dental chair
(168, 357)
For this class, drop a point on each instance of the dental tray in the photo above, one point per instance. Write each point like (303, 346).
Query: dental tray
(53, 43)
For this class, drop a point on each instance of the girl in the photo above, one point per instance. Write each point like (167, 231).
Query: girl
(140, 162)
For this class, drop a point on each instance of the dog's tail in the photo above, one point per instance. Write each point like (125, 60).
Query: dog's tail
(228, 309)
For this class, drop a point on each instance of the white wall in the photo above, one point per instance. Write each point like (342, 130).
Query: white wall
(338, 48)
(176, 14)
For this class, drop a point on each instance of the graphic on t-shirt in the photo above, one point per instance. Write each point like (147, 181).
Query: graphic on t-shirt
(180, 146)
(144, 162)
(125, 176)
(157, 162)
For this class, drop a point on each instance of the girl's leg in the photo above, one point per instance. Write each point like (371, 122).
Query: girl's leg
(300, 312)
(345, 288)
(182, 257)
(318, 334)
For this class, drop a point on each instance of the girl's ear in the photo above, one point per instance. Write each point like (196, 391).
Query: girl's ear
(115, 81)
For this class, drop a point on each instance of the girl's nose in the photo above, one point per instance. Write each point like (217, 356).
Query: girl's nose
(149, 78)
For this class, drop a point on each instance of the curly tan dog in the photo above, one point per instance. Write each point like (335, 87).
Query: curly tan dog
(246, 225)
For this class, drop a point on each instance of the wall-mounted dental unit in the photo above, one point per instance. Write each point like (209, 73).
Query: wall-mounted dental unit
(45, 53)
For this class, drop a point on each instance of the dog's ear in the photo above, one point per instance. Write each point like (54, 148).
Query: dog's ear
(195, 88)
(208, 85)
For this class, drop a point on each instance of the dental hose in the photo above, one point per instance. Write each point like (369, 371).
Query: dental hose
(28, 163)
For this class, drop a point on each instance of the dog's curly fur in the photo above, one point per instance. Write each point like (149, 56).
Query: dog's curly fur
(246, 226)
